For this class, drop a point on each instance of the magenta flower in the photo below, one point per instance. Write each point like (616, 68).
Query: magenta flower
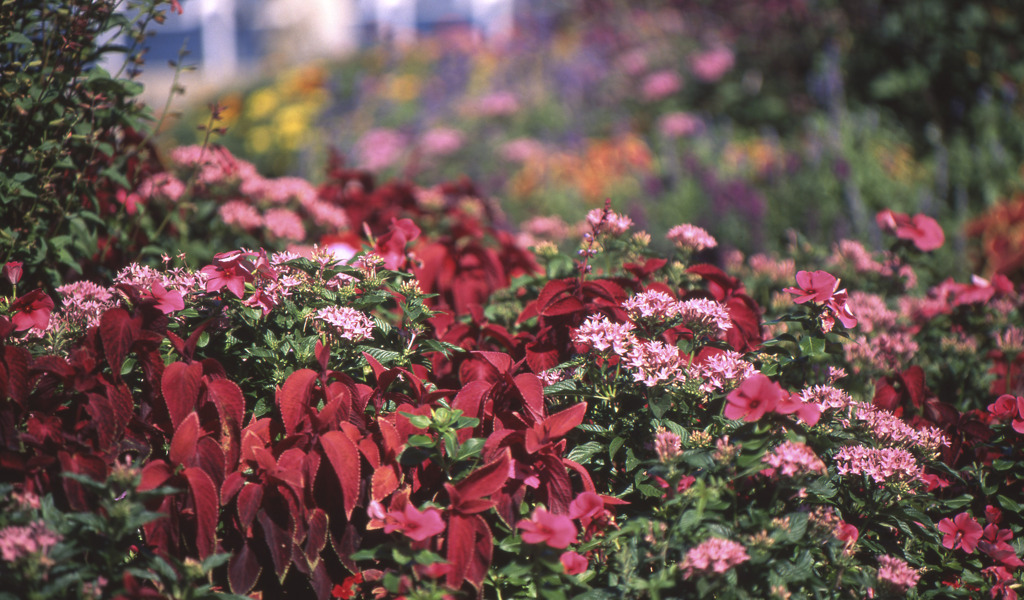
(809, 412)
(31, 311)
(574, 563)
(231, 270)
(12, 271)
(817, 286)
(1005, 407)
(556, 531)
(691, 237)
(921, 230)
(167, 301)
(415, 524)
(962, 531)
(755, 396)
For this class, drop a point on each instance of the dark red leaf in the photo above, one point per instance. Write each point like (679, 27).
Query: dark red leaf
(344, 458)
(204, 495)
(243, 570)
(316, 537)
(118, 331)
(227, 397)
(185, 441)
(295, 397)
(180, 386)
(485, 480)
(233, 483)
(461, 544)
(17, 360)
(278, 538)
(249, 499)
(154, 474)
(532, 390)
(384, 482)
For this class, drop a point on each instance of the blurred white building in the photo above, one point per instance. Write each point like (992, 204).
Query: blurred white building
(231, 38)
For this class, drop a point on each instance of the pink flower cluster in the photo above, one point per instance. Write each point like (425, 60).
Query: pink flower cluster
(890, 350)
(441, 141)
(706, 318)
(720, 371)
(713, 555)
(772, 268)
(711, 65)
(602, 334)
(17, 541)
(827, 397)
(605, 220)
(380, 148)
(888, 428)
(656, 363)
(895, 574)
(882, 465)
(872, 312)
(83, 304)
(667, 445)
(347, 322)
(660, 85)
(691, 237)
(679, 124)
(921, 230)
(794, 459)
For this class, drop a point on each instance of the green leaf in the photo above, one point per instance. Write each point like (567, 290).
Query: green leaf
(583, 452)
(614, 446)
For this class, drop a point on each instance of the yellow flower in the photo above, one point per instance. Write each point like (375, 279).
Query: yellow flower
(262, 102)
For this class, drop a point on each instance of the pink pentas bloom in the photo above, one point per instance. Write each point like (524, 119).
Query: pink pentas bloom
(882, 465)
(574, 563)
(12, 271)
(711, 65)
(605, 220)
(661, 84)
(817, 286)
(713, 555)
(962, 532)
(601, 334)
(679, 124)
(896, 574)
(691, 237)
(347, 322)
(667, 445)
(415, 524)
(557, 531)
(753, 398)
(31, 311)
(794, 459)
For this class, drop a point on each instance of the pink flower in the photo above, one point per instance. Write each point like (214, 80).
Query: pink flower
(962, 531)
(896, 574)
(655, 362)
(710, 66)
(601, 334)
(380, 148)
(167, 301)
(995, 543)
(574, 563)
(16, 541)
(604, 220)
(497, 104)
(441, 141)
(413, 523)
(846, 532)
(817, 286)
(794, 459)
(713, 555)
(880, 464)
(704, 317)
(691, 237)
(284, 224)
(12, 271)
(31, 311)
(755, 396)
(241, 214)
(1007, 407)
(231, 270)
(347, 322)
(667, 445)
(679, 124)
(808, 412)
(661, 84)
(921, 230)
(556, 531)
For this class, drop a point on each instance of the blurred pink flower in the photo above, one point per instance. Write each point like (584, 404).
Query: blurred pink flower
(712, 64)
(413, 523)
(497, 104)
(633, 62)
(240, 214)
(574, 563)
(667, 445)
(691, 237)
(679, 124)
(441, 141)
(660, 85)
(896, 574)
(162, 184)
(380, 148)
(522, 150)
(793, 459)
(755, 397)
(284, 224)
(12, 271)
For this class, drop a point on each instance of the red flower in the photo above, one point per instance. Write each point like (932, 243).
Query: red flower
(1005, 407)
(415, 524)
(847, 533)
(755, 396)
(348, 588)
(12, 271)
(556, 531)
(574, 563)
(995, 543)
(817, 286)
(31, 311)
(961, 532)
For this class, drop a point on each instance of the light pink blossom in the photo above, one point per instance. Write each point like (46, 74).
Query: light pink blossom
(347, 322)
(896, 574)
(691, 237)
(713, 555)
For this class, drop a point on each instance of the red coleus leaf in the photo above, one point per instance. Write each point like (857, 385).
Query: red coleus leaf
(470, 547)
(154, 474)
(385, 480)
(17, 360)
(316, 537)
(207, 507)
(344, 458)
(250, 498)
(180, 384)
(485, 480)
(118, 331)
(531, 388)
(294, 398)
(243, 570)
(185, 441)
(227, 397)
(278, 537)
(554, 428)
